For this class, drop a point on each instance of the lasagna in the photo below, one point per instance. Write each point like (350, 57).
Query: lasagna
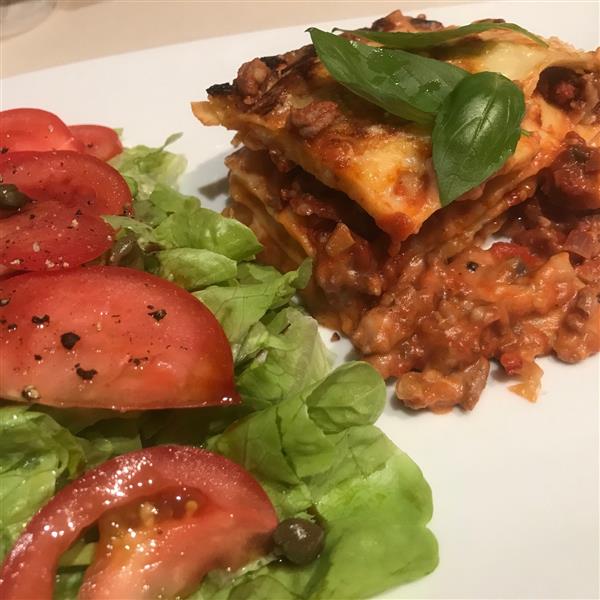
(320, 172)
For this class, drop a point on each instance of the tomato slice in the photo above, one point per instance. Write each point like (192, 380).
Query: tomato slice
(35, 129)
(69, 177)
(50, 235)
(110, 337)
(97, 140)
(187, 511)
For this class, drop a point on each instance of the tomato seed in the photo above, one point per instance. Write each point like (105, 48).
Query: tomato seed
(30, 393)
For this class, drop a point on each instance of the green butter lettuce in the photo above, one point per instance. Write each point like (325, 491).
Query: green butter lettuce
(67, 585)
(243, 303)
(194, 268)
(38, 456)
(168, 220)
(144, 167)
(204, 228)
(34, 453)
(289, 356)
(320, 454)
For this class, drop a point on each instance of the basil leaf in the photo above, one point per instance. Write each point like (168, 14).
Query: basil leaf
(429, 39)
(407, 85)
(475, 132)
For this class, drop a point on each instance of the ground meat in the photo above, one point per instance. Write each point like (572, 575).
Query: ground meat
(547, 229)
(396, 21)
(306, 205)
(423, 23)
(441, 318)
(353, 269)
(573, 179)
(250, 79)
(313, 118)
(440, 393)
(562, 87)
(581, 243)
(579, 333)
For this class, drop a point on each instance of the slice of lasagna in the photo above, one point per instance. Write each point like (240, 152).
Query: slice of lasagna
(325, 174)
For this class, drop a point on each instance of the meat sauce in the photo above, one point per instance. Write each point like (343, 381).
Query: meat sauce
(436, 314)
(435, 324)
(574, 177)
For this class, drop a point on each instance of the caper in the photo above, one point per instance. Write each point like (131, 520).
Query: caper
(121, 249)
(299, 540)
(11, 198)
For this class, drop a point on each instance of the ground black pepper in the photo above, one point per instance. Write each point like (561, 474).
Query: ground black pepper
(43, 320)
(138, 361)
(69, 339)
(159, 314)
(85, 374)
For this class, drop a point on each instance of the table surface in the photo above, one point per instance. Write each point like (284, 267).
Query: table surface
(83, 29)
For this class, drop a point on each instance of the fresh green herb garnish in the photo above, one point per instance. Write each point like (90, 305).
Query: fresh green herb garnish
(429, 39)
(407, 85)
(475, 132)
(476, 118)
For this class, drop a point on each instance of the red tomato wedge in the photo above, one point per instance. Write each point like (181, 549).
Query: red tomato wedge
(186, 511)
(50, 235)
(72, 178)
(35, 129)
(110, 337)
(97, 140)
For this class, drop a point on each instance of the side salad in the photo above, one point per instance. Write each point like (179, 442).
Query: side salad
(282, 487)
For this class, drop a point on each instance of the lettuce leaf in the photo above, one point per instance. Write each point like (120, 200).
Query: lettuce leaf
(34, 453)
(166, 219)
(67, 585)
(145, 167)
(246, 300)
(38, 456)
(320, 454)
(193, 268)
(206, 229)
(289, 356)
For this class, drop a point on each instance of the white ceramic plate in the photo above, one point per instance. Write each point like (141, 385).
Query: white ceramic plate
(515, 484)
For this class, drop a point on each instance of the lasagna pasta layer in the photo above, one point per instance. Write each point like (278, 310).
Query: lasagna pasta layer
(291, 106)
